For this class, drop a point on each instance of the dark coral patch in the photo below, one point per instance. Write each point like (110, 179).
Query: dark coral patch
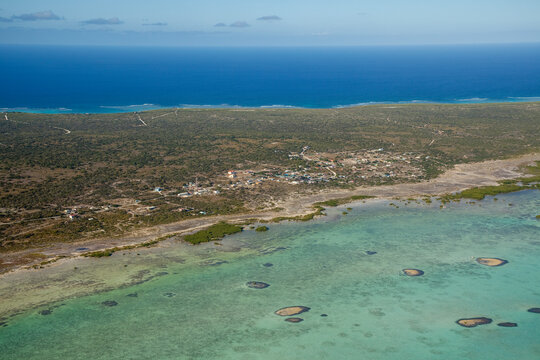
(413, 272)
(294, 320)
(268, 264)
(169, 294)
(109, 303)
(534, 310)
(132, 295)
(257, 285)
(292, 310)
(45, 312)
(473, 322)
(491, 261)
(507, 324)
(324, 315)
(370, 252)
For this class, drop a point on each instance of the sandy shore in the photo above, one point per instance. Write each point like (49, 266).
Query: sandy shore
(461, 177)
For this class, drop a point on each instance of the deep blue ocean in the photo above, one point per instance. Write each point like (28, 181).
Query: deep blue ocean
(115, 79)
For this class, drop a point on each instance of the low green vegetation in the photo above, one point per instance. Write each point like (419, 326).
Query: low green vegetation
(261, 228)
(109, 252)
(506, 186)
(341, 201)
(479, 193)
(318, 212)
(215, 232)
(102, 253)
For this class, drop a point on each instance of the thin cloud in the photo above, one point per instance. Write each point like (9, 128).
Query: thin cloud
(240, 24)
(269, 18)
(156, 24)
(3, 19)
(220, 25)
(102, 21)
(37, 16)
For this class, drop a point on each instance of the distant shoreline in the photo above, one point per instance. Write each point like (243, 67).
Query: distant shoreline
(121, 109)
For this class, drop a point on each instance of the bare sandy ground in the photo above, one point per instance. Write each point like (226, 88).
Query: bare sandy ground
(461, 177)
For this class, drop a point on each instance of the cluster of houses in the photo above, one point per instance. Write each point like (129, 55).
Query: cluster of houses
(344, 167)
(340, 167)
(72, 214)
(377, 164)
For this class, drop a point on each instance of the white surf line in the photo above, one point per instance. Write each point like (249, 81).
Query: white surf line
(141, 120)
(5, 115)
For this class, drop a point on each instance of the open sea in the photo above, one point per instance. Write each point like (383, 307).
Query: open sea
(122, 79)
(178, 301)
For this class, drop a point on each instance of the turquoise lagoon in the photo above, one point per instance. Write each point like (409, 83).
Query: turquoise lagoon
(192, 302)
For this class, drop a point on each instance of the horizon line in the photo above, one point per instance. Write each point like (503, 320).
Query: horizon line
(281, 46)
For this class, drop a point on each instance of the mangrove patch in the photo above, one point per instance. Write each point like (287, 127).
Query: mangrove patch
(109, 303)
(257, 284)
(507, 324)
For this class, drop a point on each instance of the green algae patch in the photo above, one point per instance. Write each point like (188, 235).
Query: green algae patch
(261, 228)
(215, 232)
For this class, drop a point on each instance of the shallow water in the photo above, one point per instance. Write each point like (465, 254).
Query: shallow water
(201, 309)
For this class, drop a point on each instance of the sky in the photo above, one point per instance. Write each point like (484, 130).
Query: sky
(268, 22)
